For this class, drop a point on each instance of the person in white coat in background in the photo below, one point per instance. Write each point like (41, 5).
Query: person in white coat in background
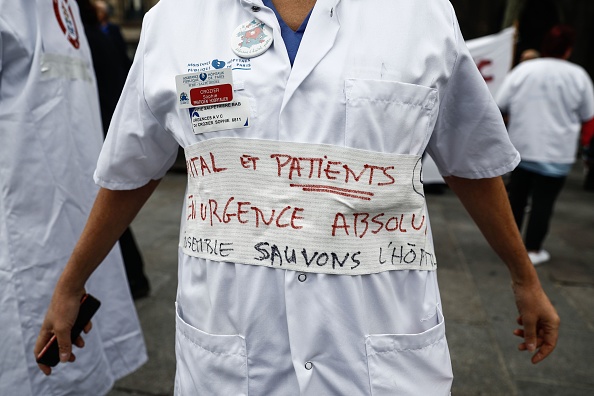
(50, 138)
(548, 102)
(306, 262)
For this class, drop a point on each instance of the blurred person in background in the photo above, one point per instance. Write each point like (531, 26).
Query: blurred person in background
(588, 156)
(111, 65)
(113, 31)
(50, 138)
(547, 102)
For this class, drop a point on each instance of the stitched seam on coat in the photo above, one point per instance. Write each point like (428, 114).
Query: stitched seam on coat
(407, 349)
(182, 332)
(389, 101)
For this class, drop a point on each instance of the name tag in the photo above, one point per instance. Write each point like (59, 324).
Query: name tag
(204, 88)
(305, 207)
(232, 115)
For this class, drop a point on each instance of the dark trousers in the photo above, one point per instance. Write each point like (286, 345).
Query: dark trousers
(589, 181)
(134, 264)
(543, 191)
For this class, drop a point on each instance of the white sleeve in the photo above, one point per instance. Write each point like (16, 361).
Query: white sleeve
(586, 110)
(137, 148)
(470, 139)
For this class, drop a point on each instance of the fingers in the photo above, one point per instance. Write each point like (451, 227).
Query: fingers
(522, 346)
(529, 324)
(550, 334)
(88, 327)
(544, 342)
(59, 320)
(542, 353)
(43, 338)
(64, 343)
(79, 342)
(66, 354)
(45, 369)
(538, 319)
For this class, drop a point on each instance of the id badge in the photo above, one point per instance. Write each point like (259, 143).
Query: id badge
(218, 117)
(204, 88)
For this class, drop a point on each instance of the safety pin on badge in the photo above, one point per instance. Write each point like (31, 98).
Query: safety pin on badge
(251, 39)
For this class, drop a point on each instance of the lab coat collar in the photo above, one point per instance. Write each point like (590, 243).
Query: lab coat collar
(320, 35)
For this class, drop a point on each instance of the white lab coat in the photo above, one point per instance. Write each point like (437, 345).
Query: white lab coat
(361, 79)
(547, 99)
(51, 135)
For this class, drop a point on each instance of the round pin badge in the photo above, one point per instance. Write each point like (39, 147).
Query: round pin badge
(251, 39)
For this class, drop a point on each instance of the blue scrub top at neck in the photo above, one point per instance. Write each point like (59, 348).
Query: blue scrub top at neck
(291, 38)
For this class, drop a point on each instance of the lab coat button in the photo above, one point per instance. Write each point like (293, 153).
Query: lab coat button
(255, 8)
(302, 277)
(308, 365)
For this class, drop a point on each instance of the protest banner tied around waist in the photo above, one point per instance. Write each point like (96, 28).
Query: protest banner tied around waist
(305, 207)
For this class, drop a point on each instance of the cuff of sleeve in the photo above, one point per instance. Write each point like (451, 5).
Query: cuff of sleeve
(488, 173)
(124, 185)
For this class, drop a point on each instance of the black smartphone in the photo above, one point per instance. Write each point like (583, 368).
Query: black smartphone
(50, 355)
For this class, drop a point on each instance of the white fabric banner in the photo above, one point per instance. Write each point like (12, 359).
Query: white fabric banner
(305, 207)
(493, 56)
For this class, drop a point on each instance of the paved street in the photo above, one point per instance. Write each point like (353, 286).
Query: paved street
(478, 303)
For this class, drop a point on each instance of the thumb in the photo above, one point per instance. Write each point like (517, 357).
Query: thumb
(529, 333)
(64, 344)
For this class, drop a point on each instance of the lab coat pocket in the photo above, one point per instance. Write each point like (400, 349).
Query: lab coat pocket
(209, 364)
(389, 116)
(410, 364)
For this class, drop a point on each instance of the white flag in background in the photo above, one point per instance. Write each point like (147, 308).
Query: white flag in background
(493, 56)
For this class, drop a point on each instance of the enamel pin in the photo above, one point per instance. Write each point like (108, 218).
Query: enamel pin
(251, 39)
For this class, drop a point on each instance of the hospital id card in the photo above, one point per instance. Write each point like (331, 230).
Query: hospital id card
(218, 117)
(204, 88)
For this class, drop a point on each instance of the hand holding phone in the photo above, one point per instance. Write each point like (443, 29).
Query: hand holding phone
(50, 355)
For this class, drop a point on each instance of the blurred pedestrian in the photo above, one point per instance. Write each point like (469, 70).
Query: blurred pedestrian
(588, 155)
(547, 101)
(111, 69)
(50, 131)
(113, 32)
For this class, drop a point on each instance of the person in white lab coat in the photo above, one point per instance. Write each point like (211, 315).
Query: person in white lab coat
(548, 102)
(51, 135)
(306, 263)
